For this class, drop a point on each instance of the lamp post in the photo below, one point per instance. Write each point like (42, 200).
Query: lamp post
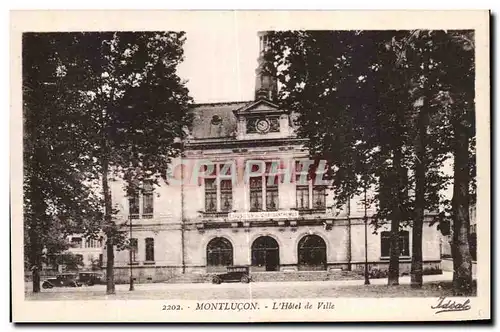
(367, 279)
(131, 287)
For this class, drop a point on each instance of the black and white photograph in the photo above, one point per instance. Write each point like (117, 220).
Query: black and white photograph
(254, 173)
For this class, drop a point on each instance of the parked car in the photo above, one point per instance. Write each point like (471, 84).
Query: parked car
(62, 280)
(233, 273)
(90, 278)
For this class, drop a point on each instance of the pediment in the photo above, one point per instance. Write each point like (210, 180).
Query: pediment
(261, 106)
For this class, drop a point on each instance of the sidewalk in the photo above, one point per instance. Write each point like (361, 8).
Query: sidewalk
(446, 276)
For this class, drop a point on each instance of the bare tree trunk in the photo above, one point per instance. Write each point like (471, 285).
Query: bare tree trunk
(416, 259)
(38, 216)
(462, 260)
(418, 222)
(35, 258)
(110, 261)
(393, 275)
(420, 183)
(349, 235)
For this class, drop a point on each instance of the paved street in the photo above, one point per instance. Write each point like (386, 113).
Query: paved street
(207, 291)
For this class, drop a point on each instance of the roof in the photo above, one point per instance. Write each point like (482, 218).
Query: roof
(259, 106)
(224, 124)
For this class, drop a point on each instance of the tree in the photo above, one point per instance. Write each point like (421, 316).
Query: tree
(414, 52)
(55, 199)
(444, 65)
(458, 100)
(134, 112)
(352, 100)
(392, 133)
(376, 94)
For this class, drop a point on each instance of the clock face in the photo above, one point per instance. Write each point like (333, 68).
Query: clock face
(262, 126)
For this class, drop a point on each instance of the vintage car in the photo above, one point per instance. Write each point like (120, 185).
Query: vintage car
(233, 273)
(62, 280)
(90, 278)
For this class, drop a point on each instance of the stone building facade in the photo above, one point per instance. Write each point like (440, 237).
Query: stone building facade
(89, 251)
(242, 194)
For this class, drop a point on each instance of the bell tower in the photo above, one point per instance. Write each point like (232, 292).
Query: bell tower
(265, 83)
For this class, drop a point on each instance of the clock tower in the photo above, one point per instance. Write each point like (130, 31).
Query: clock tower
(266, 86)
(262, 119)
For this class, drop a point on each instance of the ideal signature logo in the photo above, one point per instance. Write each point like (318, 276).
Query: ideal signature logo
(444, 306)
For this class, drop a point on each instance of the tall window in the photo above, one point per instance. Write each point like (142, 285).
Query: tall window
(256, 194)
(302, 197)
(133, 249)
(134, 206)
(318, 201)
(404, 244)
(306, 188)
(271, 193)
(302, 186)
(226, 195)
(210, 195)
(264, 189)
(218, 189)
(150, 249)
(147, 202)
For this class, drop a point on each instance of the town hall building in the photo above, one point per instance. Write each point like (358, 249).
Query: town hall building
(242, 194)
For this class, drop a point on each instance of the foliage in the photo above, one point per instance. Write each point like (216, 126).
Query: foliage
(56, 200)
(133, 109)
(98, 103)
(95, 264)
(361, 97)
(69, 260)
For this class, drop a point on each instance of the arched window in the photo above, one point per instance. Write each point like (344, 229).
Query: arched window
(265, 254)
(312, 253)
(219, 252)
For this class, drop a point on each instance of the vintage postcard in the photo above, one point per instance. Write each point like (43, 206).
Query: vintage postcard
(250, 166)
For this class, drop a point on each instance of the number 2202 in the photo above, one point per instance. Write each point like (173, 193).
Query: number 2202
(171, 307)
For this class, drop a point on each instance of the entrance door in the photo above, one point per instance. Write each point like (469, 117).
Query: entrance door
(219, 254)
(265, 254)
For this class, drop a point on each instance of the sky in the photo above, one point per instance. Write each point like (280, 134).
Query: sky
(220, 65)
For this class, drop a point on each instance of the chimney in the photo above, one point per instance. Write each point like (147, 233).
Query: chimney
(265, 83)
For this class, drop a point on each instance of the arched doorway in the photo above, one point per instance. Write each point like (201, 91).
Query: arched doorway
(312, 253)
(219, 254)
(265, 254)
